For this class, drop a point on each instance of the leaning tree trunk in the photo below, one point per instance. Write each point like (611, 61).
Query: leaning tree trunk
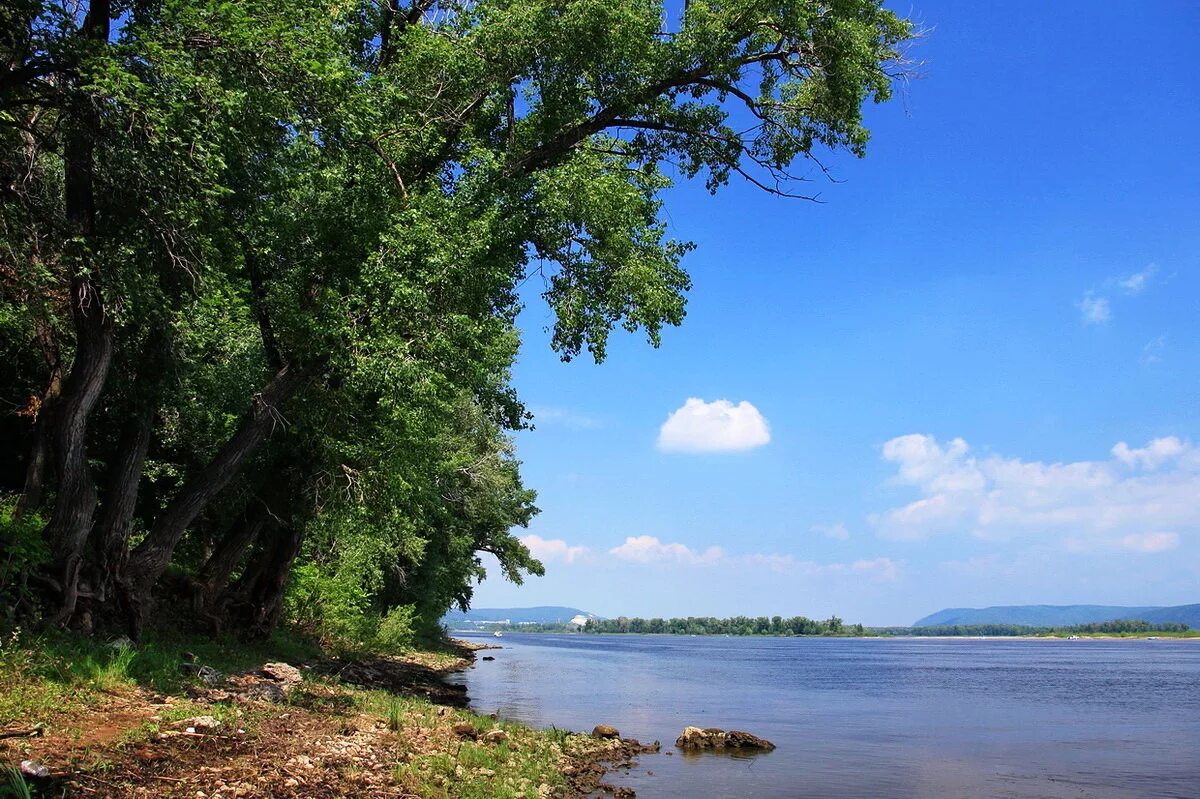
(75, 503)
(151, 558)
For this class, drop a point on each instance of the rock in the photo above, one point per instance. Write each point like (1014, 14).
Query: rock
(495, 736)
(266, 692)
(605, 731)
(207, 675)
(36, 770)
(695, 738)
(738, 739)
(281, 673)
(201, 724)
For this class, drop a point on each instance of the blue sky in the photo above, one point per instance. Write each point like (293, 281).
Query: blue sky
(976, 362)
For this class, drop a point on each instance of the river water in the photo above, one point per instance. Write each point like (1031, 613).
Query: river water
(878, 718)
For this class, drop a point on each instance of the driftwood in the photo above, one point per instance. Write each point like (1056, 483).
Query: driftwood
(23, 732)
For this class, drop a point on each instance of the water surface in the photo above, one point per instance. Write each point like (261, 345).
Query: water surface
(858, 717)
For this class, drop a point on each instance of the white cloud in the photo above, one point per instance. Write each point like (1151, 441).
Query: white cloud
(1150, 542)
(648, 549)
(1153, 455)
(836, 531)
(1122, 503)
(1095, 310)
(718, 426)
(1137, 282)
(552, 548)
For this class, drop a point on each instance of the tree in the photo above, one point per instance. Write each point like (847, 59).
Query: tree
(260, 236)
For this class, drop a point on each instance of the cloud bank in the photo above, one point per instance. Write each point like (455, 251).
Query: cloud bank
(718, 426)
(1139, 500)
(646, 549)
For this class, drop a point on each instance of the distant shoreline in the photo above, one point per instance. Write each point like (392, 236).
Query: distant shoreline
(1191, 635)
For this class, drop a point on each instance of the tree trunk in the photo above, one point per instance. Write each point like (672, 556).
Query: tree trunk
(151, 558)
(214, 574)
(40, 452)
(75, 504)
(258, 596)
(111, 535)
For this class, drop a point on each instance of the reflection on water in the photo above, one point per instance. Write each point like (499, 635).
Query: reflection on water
(873, 718)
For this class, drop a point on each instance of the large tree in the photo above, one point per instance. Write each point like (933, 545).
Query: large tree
(256, 237)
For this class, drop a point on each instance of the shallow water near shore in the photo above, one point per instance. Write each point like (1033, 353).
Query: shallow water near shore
(858, 717)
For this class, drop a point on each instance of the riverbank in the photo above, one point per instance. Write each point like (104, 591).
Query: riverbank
(205, 720)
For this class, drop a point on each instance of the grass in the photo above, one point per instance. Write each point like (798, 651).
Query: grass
(14, 785)
(73, 685)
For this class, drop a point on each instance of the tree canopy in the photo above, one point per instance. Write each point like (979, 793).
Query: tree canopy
(259, 267)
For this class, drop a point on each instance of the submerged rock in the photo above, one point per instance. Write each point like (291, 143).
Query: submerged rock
(696, 739)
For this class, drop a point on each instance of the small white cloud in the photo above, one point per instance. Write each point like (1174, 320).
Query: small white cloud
(648, 549)
(836, 531)
(1137, 282)
(1155, 454)
(1152, 353)
(1150, 542)
(718, 426)
(552, 548)
(1095, 310)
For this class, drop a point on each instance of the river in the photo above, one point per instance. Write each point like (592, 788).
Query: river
(878, 718)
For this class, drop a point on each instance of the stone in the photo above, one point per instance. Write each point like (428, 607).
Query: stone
(465, 730)
(605, 731)
(281, 673)
(266, 692)
(201, 724)
(33, 769)
(739, 739)
(695, 738)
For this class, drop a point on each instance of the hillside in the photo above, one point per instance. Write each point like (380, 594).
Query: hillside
(1060, 615)
(545, 614)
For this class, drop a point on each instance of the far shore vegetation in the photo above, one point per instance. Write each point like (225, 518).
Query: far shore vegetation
(801, 626)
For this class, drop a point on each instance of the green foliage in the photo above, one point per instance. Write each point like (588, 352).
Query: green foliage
(14, 785)
(396, 632)
(22, 550)
(305, 227)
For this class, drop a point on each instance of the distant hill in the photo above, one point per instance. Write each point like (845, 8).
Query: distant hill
(547, 614)
(1060, 615)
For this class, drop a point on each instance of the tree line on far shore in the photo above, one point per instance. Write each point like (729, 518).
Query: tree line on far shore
(1115, 627)
(834, 626)
(737, 625)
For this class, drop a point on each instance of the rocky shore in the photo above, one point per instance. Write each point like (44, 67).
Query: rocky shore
(320, 729)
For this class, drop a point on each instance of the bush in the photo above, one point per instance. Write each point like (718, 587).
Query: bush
(396, 631)
(21, 552)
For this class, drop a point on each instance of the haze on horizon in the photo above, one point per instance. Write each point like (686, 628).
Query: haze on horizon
(968, 377)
